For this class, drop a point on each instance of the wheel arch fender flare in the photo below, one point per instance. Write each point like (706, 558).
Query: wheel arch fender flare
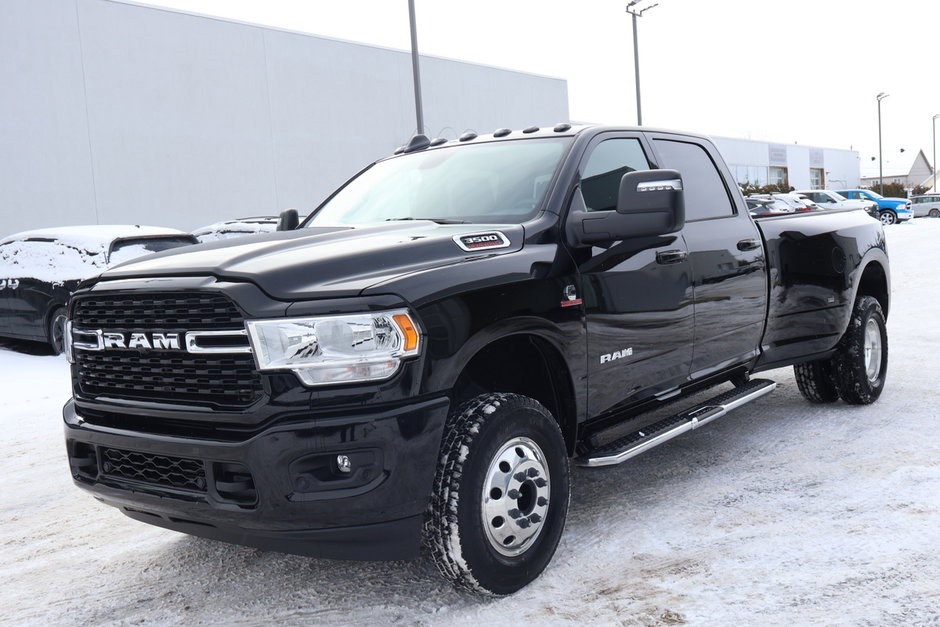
(550, 342)
(873, 278)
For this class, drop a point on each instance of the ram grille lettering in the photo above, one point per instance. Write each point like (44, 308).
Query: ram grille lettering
(138, 341)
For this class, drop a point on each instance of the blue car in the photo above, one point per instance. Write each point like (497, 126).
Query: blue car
(890, 210)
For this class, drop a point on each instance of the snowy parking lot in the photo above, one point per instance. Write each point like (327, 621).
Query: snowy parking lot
(782, 512)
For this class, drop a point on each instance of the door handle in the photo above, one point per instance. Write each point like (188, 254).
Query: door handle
(671, 256)
(748, 244)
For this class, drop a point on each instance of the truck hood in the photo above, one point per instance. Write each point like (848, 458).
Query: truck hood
(323, 262)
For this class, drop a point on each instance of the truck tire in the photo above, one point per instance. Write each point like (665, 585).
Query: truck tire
(888, 217)
(861, 360)
(500, 494)
(935, 213)
(55, 331)
(816, 381)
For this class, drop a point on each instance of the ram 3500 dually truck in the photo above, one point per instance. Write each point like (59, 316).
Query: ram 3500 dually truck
(421, 356)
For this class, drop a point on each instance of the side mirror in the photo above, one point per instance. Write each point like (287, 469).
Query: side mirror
(288, 220)
(649, 203)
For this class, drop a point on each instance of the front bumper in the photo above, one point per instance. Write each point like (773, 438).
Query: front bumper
(280, 489)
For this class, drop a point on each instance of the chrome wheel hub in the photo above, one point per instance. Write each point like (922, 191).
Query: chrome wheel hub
(872, 347)
(515, 497)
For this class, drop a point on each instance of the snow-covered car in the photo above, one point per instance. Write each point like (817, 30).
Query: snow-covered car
(828, 199)
(794, 202)
(761, 206)
(236, 228)
(40, 269)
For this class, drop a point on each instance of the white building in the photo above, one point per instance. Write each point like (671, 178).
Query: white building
(112, 112)
(802, 167)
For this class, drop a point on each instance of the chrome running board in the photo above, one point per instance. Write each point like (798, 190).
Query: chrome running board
(633, 444)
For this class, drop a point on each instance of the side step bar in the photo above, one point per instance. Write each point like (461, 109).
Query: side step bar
(633, 444)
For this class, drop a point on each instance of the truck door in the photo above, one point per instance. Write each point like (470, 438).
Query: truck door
(727, 255)
(637, 292)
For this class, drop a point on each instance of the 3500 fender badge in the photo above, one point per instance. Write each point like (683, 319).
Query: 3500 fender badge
(481, 241)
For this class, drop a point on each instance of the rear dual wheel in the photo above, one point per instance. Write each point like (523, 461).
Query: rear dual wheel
(856, 373)
(500, 495)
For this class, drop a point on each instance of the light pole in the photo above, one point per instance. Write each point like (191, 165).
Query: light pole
(419, 109)
(636, 55)
(881, 176)
(935, 152)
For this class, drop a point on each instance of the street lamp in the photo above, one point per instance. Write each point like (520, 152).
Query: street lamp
(636, 54)
(881, 176)
(935, 152)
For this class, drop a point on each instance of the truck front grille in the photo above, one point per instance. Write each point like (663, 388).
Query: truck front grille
(159, 470)
(223, 381)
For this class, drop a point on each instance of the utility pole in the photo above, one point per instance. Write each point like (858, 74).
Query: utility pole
(636, 55)
(935, 152)
(415, 70)
(881, 176)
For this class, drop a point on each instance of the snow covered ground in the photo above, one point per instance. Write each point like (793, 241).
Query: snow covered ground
(780, 513)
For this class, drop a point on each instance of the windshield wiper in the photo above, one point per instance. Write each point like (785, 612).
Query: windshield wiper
(437, 220)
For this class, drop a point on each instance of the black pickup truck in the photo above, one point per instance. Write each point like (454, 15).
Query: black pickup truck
(424, 353)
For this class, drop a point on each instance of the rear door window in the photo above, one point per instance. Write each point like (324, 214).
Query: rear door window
(706, 196)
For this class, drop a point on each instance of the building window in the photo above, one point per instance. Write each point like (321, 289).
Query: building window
(817, 178)
(778, 176)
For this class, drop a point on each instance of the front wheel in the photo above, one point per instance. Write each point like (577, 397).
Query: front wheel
(935, 213)
(888, 217)
(861, 360)
(55, 332)
(500, 495)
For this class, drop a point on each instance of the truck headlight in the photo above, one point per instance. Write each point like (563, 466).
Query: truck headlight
(326, 350)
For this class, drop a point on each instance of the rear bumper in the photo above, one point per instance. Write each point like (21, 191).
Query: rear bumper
(280, 489)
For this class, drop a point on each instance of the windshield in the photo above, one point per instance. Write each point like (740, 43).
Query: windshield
(837, 197)
(874, 195)
(497, 182)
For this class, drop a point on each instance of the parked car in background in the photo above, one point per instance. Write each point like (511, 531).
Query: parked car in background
(40, 269)
(238, 227)
(761, 205)
(828, 199)
(793, 201)
(890, 210)
(925, 205)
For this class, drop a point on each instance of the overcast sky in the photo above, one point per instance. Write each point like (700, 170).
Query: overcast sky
(804, 71)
